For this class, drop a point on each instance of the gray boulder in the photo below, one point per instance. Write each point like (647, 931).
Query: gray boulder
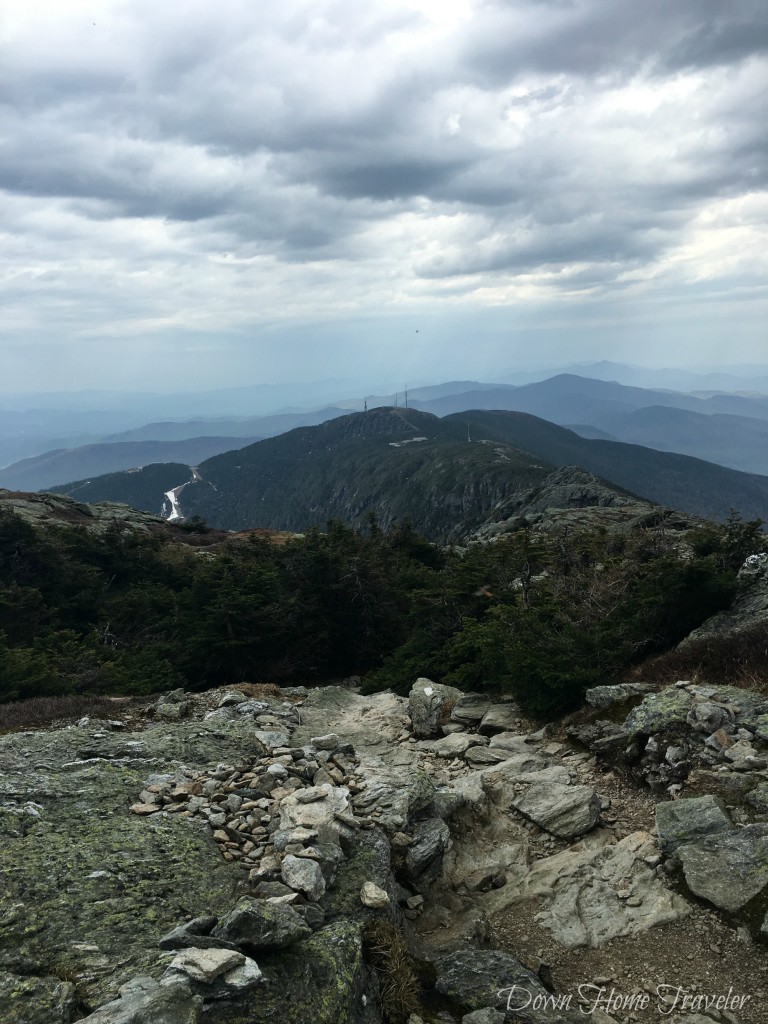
(393, 795)
(511, 743)
(255, 925)
(194, 933)
(603, 697)
(486, 1016)
(564, 811)
(743, 757)
(480, 757)
(707, 717)
(757, 798)
(303, 875)
(424, 857)
(660, 712)
(729, 868)
(231, 697)
(34, 1000)
(475, 979)
(503, 783)
(322, 980)
(271, 739)
(372, 895)
(685, 821)
(144, 1001)
(430, 705)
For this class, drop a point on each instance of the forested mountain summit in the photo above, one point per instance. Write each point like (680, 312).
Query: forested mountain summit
(446, 476)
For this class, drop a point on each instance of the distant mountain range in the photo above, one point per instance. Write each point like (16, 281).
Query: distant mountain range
(567, 398)
(98, 459)
(731, 430)
(739, 442)
(728, 429)
(446, 475)
(748, 379)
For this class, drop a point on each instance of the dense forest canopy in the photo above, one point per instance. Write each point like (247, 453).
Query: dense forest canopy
(538, 615)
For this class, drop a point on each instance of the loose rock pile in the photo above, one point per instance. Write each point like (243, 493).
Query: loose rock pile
(683, 729)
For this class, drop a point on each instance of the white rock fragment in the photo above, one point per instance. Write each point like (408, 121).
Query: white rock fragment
(371, 895)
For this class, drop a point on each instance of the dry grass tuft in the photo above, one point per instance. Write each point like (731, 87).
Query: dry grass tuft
(386, 951)
(260, 690)
(37, 712)
(737, 659)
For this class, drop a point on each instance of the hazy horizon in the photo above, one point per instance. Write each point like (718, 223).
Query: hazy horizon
(338, 387)
(192, 197)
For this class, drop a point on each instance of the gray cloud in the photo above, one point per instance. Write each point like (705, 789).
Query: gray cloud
(172, 172)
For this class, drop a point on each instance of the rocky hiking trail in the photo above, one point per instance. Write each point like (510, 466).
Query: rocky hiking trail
(253, 855)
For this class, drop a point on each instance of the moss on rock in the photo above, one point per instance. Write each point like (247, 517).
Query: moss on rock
(83, 879)
(321, 980)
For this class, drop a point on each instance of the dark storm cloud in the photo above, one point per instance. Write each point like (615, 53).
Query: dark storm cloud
(735, 32)
(590, 38)
(390, 179)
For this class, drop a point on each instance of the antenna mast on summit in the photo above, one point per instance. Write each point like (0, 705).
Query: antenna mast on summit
(406, 396)
(365, 404)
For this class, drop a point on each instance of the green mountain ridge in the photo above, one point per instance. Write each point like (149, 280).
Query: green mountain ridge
(400, 464)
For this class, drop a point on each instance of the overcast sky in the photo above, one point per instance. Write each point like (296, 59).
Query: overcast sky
(202, 193)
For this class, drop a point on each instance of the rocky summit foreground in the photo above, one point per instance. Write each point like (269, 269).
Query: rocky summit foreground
(251, 855)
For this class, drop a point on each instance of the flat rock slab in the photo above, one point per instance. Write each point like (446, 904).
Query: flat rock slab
(87, 879)
(502, 782)
(501, 718)
(579, 890)
(686, 821)
(564, 811)
(482, 756)
(728, 869)
(471, 709)
(372, 724)
(512, 742)
(454, 745)
(205, 965)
